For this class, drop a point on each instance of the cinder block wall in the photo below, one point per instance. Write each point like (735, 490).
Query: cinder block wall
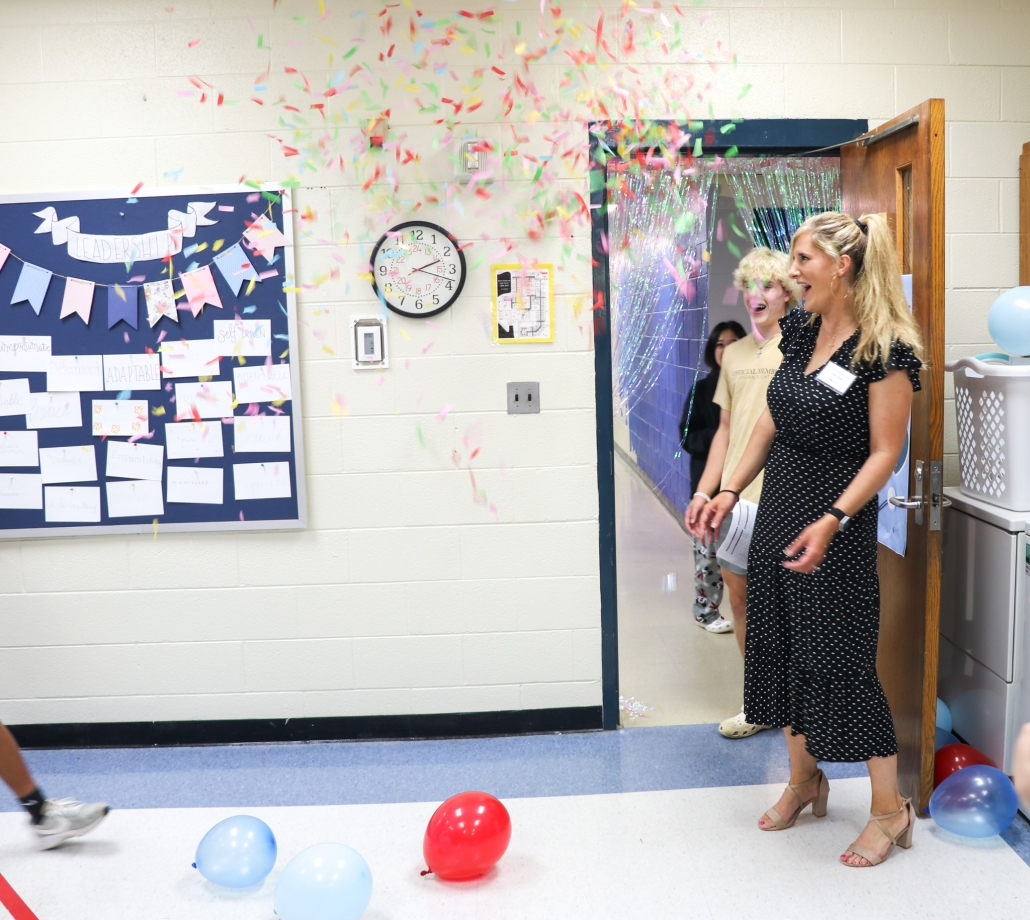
(406, 594)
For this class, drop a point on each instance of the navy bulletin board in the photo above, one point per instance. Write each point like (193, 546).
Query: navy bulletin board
(235, 210)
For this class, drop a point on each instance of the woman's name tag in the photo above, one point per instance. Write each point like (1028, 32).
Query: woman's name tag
(836, 378)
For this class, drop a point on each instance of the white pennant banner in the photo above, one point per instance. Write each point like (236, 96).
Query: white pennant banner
(139, 247)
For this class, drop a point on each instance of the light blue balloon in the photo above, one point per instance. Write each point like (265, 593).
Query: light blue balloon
(977, 801)
(944, 738)
(1009, 321)
(237, 852)
(329, 881)
(943, 716)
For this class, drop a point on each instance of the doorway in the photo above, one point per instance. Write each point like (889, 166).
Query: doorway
(678, 230)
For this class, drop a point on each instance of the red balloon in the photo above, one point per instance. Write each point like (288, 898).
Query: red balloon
(466, 836)
(953, 757)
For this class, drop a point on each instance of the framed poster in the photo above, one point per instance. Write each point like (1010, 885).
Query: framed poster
(523, 303)
(148, 368)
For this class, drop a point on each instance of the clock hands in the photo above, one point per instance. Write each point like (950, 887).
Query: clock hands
(424, 267)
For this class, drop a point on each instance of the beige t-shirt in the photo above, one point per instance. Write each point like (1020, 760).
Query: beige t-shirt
(747, 368)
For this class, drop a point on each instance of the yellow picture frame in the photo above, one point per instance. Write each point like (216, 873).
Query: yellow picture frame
(503, 291)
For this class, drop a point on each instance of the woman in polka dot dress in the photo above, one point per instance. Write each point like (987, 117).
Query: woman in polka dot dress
(834, 428)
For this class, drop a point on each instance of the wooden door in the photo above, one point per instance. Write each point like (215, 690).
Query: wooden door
(899, 169)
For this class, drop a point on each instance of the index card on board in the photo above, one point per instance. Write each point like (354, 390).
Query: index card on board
(21, 490)
(14, 396)
(54, 410)
(26, 353)
(77, 463)
(72, 504)
(19, 448)
(132, 372)
(65, 373)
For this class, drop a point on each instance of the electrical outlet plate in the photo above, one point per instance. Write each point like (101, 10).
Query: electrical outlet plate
(368, 353)
(523, 398)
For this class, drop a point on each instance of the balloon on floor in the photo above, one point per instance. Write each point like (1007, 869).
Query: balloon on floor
(237, 852)
(329, 881)
(944, 738)
(466, 836)
(943, 716)
(977, 801)
(954, 757)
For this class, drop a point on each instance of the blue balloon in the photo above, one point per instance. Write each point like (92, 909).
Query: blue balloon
(1009, 321)
(943, 715)
(977, 801)
(329, 881)
(237, 852)
(944, 738)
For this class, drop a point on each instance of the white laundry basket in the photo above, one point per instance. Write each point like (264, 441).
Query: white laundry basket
(992, 404)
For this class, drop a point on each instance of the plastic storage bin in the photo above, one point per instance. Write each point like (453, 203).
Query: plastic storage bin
(992, 405)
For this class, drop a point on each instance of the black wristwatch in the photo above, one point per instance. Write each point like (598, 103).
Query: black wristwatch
(842, 519)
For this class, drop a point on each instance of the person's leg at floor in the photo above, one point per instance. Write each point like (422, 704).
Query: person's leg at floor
(736, 587)
(803, 768)
(708, 585)
(54, 822)
(16, 775)
(883, 776)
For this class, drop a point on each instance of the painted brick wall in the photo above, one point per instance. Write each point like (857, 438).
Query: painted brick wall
(405, 595)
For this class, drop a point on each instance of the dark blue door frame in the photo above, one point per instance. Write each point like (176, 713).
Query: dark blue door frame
(760, 137)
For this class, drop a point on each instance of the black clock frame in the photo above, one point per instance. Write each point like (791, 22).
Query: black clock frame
(457, 248)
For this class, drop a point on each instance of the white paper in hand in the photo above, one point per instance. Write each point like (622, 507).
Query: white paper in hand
(735, 544)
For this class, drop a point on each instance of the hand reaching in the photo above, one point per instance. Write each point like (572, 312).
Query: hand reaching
(811, 544)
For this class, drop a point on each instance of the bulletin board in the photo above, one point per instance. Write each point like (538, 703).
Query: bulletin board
(149, 375)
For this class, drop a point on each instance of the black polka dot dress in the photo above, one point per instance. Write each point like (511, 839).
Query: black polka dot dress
(811, 639)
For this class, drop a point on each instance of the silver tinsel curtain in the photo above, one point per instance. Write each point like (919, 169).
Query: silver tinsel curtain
(657, 220)
(776, 194)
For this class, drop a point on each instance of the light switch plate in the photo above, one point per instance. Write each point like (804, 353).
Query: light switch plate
(523, 398)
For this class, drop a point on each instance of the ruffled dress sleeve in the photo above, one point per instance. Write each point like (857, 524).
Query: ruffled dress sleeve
(901, 358)
(790, 327)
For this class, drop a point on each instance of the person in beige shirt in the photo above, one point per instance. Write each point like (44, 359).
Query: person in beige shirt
(747, 367)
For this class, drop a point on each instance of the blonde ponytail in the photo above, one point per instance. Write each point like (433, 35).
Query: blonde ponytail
(878, 298)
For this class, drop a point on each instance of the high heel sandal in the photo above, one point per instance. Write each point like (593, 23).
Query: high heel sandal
(818, 803)
(903, 838)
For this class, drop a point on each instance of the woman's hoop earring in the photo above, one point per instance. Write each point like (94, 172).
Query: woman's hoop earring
(833, 292)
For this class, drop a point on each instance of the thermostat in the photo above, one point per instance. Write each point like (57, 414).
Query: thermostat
(368, 342)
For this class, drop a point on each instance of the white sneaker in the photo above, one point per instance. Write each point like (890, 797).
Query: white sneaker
(739, 727)
(719, 625)
(66, 818)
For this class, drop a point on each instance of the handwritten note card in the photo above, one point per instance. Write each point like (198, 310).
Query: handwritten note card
(19, 448)
(132, 372)
(190, 358)
(54, 410)
(27, 353)
(65, 373)
(21, 490)
(210, 400)
(188, 440)
(246, 337)
(261, 480)
(135, 461)
(125, 418)
(263, 383)
(14, 396)
(72, 504)
(134, 498)
(256, 434)
(196, 485)
(68, 464)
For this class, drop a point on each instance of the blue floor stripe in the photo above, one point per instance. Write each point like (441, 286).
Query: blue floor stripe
(634, 760)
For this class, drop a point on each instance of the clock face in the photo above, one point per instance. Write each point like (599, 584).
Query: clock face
(418, 269)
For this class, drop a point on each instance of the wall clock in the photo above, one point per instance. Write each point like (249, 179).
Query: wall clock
(417, 269)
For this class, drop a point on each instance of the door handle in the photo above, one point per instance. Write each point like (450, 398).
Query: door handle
(915, 504)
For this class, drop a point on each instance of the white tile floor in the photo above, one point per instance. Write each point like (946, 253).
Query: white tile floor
(681, 854)
(689, 676)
